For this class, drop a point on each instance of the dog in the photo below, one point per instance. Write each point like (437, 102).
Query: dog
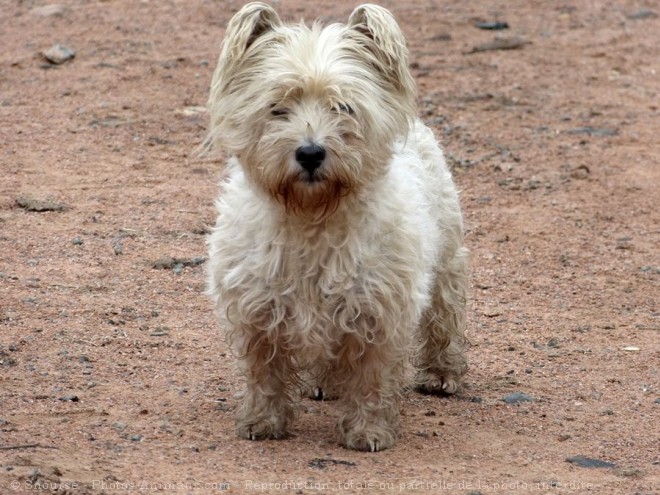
(336, 264)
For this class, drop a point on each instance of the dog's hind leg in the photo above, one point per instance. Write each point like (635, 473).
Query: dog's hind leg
(441, 360)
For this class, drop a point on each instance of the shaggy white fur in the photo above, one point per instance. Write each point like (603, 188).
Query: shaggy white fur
(337, 256)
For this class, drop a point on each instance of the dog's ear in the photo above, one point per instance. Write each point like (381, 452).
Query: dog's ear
(244, 30)
(247, 26)
(386, 43)
(249, 23)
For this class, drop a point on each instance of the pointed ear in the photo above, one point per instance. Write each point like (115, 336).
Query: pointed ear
(252, 22)
(247, 26)
(386, 43)
(249, 23)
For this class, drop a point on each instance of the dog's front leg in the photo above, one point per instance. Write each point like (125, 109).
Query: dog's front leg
(266, 410)
(374, 375)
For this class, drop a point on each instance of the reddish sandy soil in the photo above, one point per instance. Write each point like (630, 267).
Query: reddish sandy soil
(114, 377)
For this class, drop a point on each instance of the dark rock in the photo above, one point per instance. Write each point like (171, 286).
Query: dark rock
(441, 37)
(581, 172)
(594, 131)
(492, 25)
(320, 463)
(168, 262)
(160, 332)
(588, 462)
(69, 398)
(517, 397)
(642, 14)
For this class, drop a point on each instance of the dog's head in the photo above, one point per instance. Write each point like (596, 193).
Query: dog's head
(311, 113)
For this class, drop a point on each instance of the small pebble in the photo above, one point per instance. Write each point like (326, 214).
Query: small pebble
(39, 205)
(58, 54)
(117, 246)
(517, 397)
(492, 26)
(631, 472)
(77, 241)
(136, 438)
(594, 131)
(69, 398)
(511, 43)
(642, 14)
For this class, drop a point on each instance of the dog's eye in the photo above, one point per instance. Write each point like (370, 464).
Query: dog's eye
(345, 107)
(279, 112)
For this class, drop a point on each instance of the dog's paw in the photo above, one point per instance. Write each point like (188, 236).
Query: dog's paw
(261, 429)
(369, 439)
(431, 383)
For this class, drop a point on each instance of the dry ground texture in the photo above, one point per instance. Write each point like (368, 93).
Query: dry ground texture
(114, 377)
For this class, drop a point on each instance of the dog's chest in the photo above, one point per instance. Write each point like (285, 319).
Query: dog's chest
(316, 274)
(321, 278)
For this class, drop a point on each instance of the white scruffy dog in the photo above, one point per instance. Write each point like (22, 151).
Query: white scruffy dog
(337, 256)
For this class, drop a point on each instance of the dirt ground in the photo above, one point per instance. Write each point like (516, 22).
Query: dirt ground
(114, 377)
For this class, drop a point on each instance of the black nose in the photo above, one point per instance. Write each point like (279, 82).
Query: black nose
(310, 156)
